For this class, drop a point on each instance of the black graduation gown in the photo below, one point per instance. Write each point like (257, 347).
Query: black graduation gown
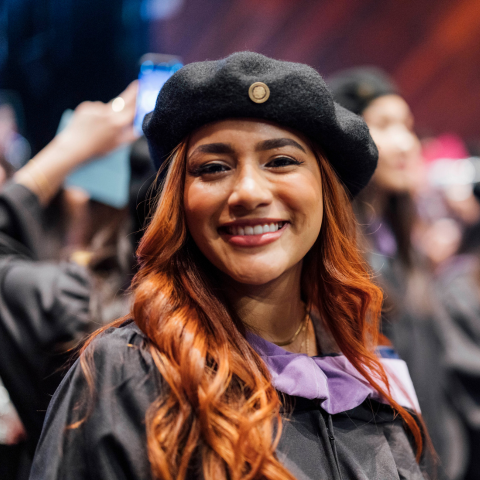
(420, 342)
(365, 443)
(458, 283)
(42, 305)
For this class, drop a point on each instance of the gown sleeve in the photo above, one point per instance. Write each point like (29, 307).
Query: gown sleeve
(111, 441)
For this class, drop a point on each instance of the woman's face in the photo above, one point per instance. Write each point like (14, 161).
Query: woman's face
(391, 125)
(253, 198)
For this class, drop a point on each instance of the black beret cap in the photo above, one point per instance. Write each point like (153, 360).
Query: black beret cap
(356, 88)
(205, 92)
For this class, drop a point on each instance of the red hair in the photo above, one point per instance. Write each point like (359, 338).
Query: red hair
(219, 404)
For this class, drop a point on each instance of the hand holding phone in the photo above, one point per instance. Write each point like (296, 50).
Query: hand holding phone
(89, 131)
(106, 179)
(103, 136)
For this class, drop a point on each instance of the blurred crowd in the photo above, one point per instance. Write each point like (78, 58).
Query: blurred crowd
(67, 259)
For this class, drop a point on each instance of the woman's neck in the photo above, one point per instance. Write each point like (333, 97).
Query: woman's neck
(274, 310)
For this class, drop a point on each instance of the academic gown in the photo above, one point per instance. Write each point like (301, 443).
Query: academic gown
(458, 283)
(43, 306)
(422, 342)
(364, 443)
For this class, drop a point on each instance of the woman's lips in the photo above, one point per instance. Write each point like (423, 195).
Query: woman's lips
(253, 235)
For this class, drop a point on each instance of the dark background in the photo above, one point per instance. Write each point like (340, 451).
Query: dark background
(57, 53)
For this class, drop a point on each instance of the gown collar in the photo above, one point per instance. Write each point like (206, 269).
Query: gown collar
(333, 379)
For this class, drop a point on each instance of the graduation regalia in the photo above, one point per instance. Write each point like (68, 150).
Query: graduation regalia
(319, 439)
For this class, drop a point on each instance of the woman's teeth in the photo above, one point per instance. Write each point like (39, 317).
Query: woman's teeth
(255, 230)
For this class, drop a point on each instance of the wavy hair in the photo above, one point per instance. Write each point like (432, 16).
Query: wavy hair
(219, 410)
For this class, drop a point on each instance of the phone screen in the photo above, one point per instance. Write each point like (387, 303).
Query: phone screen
(153, 74)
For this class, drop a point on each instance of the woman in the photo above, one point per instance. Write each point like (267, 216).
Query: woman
(386, 210)
(251, 249)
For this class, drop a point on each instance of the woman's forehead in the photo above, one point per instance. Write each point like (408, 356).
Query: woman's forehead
(243, 132)
(388, 106)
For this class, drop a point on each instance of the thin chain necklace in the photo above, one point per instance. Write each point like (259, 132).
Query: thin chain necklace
(306, 340)
(296, 334)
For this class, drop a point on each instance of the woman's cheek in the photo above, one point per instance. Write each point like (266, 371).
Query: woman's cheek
(201, 210)
(194, 208)
(305, 205)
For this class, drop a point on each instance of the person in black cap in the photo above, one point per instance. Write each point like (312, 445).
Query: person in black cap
(412, 316)
(252, 348)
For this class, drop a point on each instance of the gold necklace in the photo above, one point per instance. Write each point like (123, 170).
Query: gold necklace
(307, 335)
(306, 340)
(295, 335)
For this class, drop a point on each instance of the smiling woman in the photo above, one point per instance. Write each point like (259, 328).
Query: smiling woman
(252, 304)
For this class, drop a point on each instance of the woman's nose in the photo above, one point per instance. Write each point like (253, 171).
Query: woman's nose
(251, 190)
(404, 139)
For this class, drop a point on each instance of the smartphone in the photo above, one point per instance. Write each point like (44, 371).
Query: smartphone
(155, 70)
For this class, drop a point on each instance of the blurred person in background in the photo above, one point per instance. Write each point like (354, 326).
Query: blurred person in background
(458, 282)
(386, 212)
(47, 301)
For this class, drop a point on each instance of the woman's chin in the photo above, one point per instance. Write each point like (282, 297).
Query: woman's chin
(255, 276)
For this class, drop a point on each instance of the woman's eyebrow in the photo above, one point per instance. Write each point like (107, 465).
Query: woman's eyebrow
(278, 143)
(214, 148)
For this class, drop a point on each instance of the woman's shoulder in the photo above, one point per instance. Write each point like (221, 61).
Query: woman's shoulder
(95, 424)
(117, 340)
(116, 364)
(121, 354)
(116, 368)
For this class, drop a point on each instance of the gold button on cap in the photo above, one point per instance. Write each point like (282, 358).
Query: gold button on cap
(258, 92)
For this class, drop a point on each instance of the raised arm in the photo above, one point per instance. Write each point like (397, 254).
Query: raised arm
(96, 128)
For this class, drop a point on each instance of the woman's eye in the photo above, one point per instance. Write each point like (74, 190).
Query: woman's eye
(282, 162)
(210, 169)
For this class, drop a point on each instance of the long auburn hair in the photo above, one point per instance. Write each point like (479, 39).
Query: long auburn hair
(219, 407)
